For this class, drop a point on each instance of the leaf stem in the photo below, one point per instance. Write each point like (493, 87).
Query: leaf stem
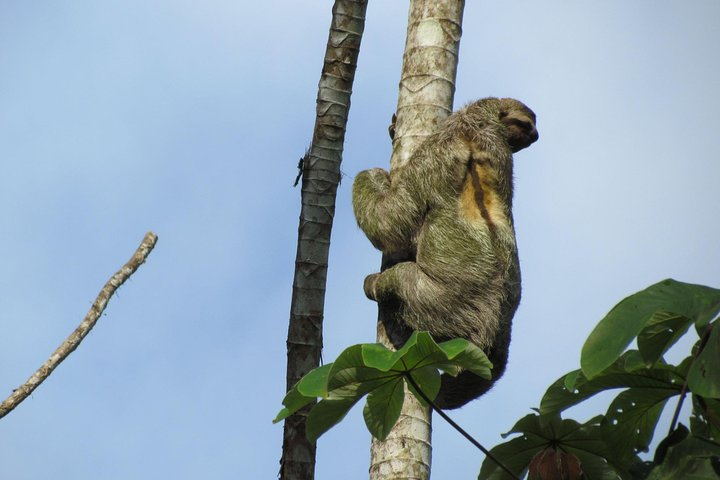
(457, 427)
(676, 415)
(683, 391)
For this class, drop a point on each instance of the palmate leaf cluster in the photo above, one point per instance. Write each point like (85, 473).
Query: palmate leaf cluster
(607, 446)
(543, 445)
(373, 370)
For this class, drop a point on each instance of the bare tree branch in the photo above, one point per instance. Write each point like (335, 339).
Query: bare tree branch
(72, 342)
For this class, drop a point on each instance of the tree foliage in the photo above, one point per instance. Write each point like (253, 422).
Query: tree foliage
(608, 445)
(380, 373)
(543, 445)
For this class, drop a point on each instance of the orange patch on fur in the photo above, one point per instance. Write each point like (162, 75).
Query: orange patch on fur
(478, 201)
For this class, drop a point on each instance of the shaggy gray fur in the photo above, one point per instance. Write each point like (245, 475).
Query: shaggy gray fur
(451, 205)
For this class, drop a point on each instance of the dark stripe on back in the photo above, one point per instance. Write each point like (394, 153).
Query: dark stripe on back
(480, 195)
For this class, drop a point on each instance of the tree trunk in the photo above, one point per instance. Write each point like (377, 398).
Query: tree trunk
(427, 87)
(321, 176)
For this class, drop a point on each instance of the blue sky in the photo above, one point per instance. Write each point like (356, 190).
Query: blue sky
(188, 118)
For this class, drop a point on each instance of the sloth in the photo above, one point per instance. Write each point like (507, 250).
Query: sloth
(451, 206)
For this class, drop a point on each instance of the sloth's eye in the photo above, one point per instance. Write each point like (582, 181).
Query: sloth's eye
(516, 122)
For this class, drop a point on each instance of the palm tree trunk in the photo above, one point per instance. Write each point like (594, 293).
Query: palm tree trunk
(321, 176)
(427, 88)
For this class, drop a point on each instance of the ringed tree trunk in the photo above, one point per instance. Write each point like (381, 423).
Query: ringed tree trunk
(427, 88)
(321, 176)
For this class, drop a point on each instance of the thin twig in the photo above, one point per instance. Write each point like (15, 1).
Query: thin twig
(72, 342)
(457, 427)
(683, 390)
(676, 415)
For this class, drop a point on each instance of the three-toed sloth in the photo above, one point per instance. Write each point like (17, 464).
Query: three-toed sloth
(451, 204)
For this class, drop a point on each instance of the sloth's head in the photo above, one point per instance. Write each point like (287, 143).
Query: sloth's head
(519, 123)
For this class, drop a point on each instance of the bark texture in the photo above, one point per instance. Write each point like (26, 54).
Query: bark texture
(321, 176)
(427, 88)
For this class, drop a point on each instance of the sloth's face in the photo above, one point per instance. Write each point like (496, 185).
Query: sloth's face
(520, 126)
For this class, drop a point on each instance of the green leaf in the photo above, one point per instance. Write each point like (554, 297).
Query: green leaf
(538, 433)
(453, 347)
(453, 356)
(347, 368)
(306, 391)
(704, 374)
(472, 358)
(624, 322)
(349, 377)
(631, 418)
(661, 332)
(514, 454)
(517, 452)
(691, 459)
(380, 372)
(633, 361)
(586, 441)
(423, 353)
(314, 384)
(622, 374)
(705, 421)
(325, 415)
(428, 379)
(382, 408)
(378, 356)
(450, 368)
(570, 379)
(293, 402)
